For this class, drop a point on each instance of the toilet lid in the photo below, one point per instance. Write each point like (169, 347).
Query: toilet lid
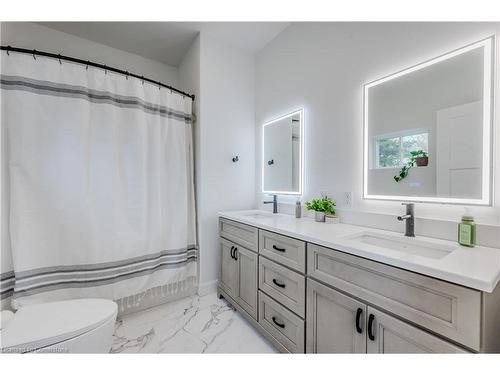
(41, 325)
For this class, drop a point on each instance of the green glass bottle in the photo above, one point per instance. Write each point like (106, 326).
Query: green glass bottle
(467, 231)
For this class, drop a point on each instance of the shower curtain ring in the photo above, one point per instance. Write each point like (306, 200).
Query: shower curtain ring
(60, 63)
(34, 52)
(8, 50)
(142, 79)
(105, 70)
(87, 67)
(126, 75)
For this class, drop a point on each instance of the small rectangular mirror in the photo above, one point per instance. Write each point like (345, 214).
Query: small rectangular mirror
(427, 130)
(282, 154)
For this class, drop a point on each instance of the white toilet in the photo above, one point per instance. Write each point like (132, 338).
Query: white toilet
(72, 326)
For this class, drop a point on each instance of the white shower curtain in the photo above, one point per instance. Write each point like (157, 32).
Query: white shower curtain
(100, 174)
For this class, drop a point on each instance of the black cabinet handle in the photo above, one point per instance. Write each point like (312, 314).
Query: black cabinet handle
(277, 283)
(278, 248)
(235, 253)
(359, 329)
(281, 325)
(371, 318)
(232, 249)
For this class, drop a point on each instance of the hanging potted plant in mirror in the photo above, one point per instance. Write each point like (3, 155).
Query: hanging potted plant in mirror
(322, 207)
(418, 157)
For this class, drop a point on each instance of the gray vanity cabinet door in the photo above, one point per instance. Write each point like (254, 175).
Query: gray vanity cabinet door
(331, 321)
(391, 335)
(228, 269)
(246, 293)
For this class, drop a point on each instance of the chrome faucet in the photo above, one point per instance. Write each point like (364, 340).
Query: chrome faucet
(410, 219)
(274, 202)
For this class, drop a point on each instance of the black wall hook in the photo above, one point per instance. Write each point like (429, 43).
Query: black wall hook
(235, 159)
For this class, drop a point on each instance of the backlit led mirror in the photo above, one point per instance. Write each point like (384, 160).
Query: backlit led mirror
(282, 155)
(428, 130)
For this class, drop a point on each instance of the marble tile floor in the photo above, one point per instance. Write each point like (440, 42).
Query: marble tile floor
(191, 325)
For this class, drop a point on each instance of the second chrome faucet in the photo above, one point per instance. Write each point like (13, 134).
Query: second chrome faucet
(409, 219)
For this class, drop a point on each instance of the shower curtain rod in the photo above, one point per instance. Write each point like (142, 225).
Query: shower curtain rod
(60, 57)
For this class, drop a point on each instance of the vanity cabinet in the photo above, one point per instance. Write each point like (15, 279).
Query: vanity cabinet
(447, 309)
(390, 335)
(238, 275)
(337, 323)
(228, 278)
(287, 251)
(309, 298)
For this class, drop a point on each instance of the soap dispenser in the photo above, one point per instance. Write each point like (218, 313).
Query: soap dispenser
(298, 209)
(467, 230)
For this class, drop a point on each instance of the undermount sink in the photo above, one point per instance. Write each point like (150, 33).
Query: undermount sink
(415, 246)
(258, 215)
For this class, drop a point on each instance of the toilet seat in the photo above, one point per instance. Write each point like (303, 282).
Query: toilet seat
(41, 325)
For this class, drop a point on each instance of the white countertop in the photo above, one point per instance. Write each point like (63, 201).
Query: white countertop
(477, 268)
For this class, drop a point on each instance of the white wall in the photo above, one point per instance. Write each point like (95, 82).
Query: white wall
(226, 128)
(189, 81)
(322, 67)
(34, 36)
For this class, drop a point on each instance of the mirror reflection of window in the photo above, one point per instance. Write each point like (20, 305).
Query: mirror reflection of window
(394, 151)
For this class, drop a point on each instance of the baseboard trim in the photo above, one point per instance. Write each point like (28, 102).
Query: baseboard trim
(208, 287)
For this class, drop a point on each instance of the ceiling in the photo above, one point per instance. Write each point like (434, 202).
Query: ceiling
(168, 42)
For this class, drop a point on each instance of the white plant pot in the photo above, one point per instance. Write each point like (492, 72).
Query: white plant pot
(319, 216)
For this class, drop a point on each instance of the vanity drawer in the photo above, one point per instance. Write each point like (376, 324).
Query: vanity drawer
(285, 250)
(283, 325)
(242, 234)
(285, 286)
(447, 309)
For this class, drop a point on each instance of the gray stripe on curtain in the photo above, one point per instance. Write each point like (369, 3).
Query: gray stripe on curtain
(94, 96)
(77, 273)
(100, 266)
(50, 278)
(104, 281)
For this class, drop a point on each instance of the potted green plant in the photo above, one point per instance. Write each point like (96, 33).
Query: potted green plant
(421, 158)
(418, 157)
(321, 207)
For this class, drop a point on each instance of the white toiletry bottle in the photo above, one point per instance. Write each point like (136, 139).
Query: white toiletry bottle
(298, 210)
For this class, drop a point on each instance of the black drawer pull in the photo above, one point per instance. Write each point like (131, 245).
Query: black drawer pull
(359, 329)
(278, 248)
(235, 253)
(281, 325)
(371, 318)
(232, 249)
(277, 283)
